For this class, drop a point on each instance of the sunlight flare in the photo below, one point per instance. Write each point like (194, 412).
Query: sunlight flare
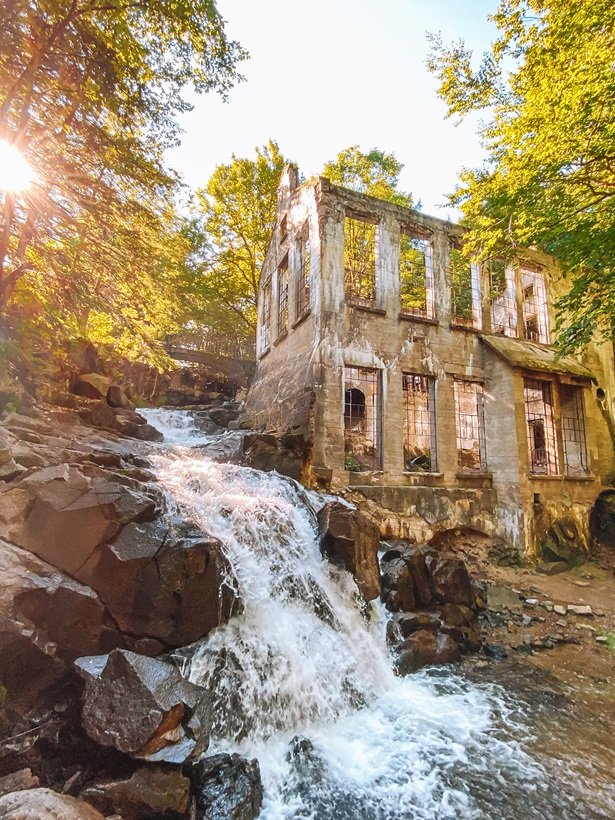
(16, 173)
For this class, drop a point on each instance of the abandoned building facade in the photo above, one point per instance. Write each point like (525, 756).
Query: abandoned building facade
(428, 388)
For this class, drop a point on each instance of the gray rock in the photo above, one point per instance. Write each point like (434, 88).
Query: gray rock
(18, 781)
(501, 597)
(579, 609)
(228, 787)
(142, 705)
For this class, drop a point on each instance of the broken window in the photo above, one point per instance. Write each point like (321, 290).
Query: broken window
(416, 274)
(542, 441)
(535, 313)
(265, 338)
(470, 426)
(362, 419)
(302, 285)
(283, 297)
(360, 261)
(502, 298)
(419, 423)
(573, 430)
(465, 290)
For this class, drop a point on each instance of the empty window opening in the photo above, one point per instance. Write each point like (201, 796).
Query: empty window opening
(360, 261)
(362, 419)
(416, 275)
(535, 311)
(573, 430)
(265, 339)
(541, 437)
(470, 426)
(465, 291)
(302, 284)
(283, 297)
(502, 298)
(419, 423)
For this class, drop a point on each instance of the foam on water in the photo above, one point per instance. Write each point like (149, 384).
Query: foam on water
(302, 679)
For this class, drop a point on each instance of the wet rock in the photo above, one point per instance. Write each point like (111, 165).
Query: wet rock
(348, 538)
(44, 804)
(449, 579)
(123, 421)
(264, 451)
(501, 597)
(494, 651)
(143, 707)
(397, 589)
(426, 648)
(46, 621)
(18, 782)
(415, 559)
(223, 415)
(150, 792)
(165, 582)
(228, 787)
(402, 625)
(62, 515)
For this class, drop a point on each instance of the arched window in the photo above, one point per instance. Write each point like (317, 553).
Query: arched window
(354, 408)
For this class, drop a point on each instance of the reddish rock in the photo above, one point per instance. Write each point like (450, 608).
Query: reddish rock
(426, 648)
(150, 792)
(449, 579)
(397, 589)
(351, 540)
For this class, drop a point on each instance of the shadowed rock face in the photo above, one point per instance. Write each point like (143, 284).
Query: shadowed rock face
(150, 792)
(228, 787)
(143, 707)
(434, 606)
(350, 539)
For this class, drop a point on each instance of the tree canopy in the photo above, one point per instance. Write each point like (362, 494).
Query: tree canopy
(375, 173)
(234, 217)
(547, 88)
(89, 93)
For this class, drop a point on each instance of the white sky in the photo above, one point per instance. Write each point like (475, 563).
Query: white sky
(326, 74)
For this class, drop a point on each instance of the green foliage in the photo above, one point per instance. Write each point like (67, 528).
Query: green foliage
(89, 92)
(548, 89)
(375, 173)
(234, 218)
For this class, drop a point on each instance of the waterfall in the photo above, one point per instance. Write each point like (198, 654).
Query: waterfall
(303, 681)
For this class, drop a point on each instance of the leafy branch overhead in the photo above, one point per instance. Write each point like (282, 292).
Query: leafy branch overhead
(90, 93)
(547, 89)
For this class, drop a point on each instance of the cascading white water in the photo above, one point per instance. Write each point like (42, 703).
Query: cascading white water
(302, 679)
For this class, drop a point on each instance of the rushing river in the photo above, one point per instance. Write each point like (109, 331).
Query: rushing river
(303, 681)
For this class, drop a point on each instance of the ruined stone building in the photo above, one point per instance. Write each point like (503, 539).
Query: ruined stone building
(428, 388)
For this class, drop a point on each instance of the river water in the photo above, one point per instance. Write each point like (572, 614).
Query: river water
(302, 679)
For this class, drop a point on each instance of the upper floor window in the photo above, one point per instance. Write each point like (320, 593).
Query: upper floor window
(302, 282)
(502, 298)
(265, 334)
(360, 261)
(470, 426)
(465, 290)
(416, 274)
(419, 423)
(534, 300)
(283, 297)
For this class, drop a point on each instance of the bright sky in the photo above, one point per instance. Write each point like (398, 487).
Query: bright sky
(326, 74)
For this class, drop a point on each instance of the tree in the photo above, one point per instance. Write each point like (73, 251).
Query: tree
(89, 92)
(375, 173)
(237, 212)
(548, 89)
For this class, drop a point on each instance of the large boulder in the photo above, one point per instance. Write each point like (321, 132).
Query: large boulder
(92, 386)
(426, 648)
(397, 589)
(151, 791)
(351, 540)
(117, 398)
(143, 707)
(449, 580)
(46, 621)
(228, 787)
(602, 518)
(163, 581)
(62, 514)
(44, 804)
